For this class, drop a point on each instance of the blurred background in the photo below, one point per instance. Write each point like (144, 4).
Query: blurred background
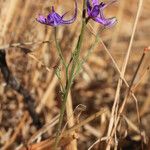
(32, 62)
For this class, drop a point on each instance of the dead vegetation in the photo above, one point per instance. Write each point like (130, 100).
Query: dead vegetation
(29, 117)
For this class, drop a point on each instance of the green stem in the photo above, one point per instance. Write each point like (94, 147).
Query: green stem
(58, 47)
(87, 55)
(70, 79)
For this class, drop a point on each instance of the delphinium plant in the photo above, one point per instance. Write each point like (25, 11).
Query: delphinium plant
(91, 10)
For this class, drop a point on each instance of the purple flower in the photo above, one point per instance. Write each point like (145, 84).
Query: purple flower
(54, 19)
(95, 12)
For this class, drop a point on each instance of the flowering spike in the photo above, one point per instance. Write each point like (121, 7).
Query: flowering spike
(95, 12)
(54, 19)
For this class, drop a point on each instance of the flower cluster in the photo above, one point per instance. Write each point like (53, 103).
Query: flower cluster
(94, 11)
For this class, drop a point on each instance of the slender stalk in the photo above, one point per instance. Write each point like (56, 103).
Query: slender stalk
(129, 92)
(70, 77)
(58, 47)
(124, 66)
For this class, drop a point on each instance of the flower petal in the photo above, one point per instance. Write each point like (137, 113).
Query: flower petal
(73, 18)
(106, 22)
(95, 2)
(41, 19)
(95, 11)
(108, 3)
(88, 7)
(54, 19)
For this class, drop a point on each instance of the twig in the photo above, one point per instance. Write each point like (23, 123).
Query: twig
(116, 65)
(89, 119)
(47, 144)
(71, 121)
(14, 84)
(21, 44)
(43, 130)
(112, 120)
(82, 123)
(78, 110)
(128, 93)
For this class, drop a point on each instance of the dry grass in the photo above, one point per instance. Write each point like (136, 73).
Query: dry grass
(90, 122)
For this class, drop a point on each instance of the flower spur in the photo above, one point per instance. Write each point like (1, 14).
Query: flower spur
(95, 12)
(54, 19)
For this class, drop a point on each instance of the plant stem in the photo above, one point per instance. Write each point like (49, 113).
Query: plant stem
(129, 91)
(58, 47)
(70, 79)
